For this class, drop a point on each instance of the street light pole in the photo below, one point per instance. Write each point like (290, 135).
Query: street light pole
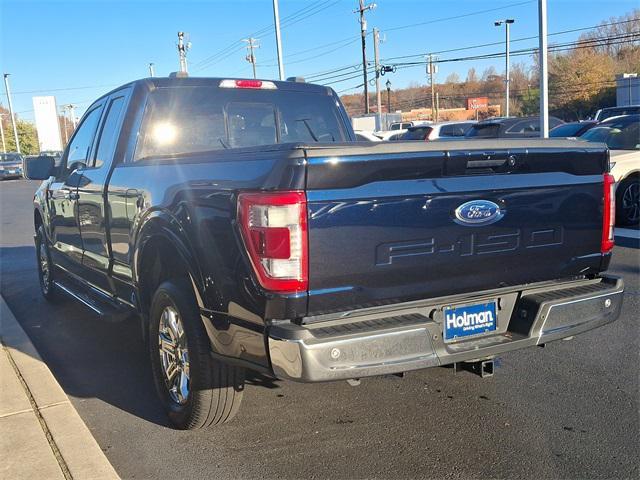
(152, 72)
(544, 80)
(276, 22)
(507, 80)
(13, 118)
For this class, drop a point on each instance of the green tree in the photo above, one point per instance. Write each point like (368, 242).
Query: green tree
(27, 135)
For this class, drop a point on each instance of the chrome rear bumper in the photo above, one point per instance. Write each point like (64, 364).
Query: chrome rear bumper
(409, 336)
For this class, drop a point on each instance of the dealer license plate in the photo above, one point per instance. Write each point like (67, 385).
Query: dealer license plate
(469, 320)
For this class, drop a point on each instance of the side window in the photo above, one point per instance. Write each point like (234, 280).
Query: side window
(447, 131)
(525, 127)
(109, 133)
(79, 147)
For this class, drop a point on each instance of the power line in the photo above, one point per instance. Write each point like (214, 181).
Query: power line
(321, 76)
(233, 46)
(591, 43)
(471, 47)
(581, 44)
(24, 92)
(287, 21)
(311, 76)
(456, 17)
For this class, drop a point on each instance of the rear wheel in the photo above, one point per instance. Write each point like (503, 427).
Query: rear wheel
(45, 267)
(628, 202)
(195, 389)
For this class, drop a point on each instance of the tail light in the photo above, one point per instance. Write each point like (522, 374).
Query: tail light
(608, 214)
(274, 231)
(257, 84)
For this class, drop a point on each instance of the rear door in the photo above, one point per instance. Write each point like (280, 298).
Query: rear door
(387, 227)
(92, 214)
(64, 231)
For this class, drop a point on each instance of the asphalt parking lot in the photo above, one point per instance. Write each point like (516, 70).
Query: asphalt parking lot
(570, 410)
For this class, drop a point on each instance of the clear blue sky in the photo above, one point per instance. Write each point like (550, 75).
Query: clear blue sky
(60, 47)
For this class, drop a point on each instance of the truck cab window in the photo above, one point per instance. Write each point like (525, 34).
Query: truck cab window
(203, 119)
(109, 134)
(80, 146)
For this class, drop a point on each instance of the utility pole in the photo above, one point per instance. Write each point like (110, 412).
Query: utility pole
(4, 145)
(72, 112)
(507, 23)
(376, 55)
(64, 125)
(152, 72)
(363, 34)
(388, 84)
(276, 22)
(182, 52)
(251, 57)
(432, 69)
(544, 81)
(437, 104)
(13, 118)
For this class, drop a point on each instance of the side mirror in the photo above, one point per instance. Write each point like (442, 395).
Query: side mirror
(38, 168)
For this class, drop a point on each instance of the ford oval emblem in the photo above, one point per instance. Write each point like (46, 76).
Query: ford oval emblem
(478, 212)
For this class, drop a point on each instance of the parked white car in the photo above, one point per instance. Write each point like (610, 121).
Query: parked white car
(438, 131)
(622, 136)
(364, 136)
(398, 129)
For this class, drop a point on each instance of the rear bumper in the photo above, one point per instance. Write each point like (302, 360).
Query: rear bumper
(409, 337)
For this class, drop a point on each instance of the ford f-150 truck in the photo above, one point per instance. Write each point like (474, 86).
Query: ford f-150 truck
(245, 227)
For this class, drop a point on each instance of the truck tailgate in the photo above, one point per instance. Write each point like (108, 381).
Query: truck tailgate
(397, 222)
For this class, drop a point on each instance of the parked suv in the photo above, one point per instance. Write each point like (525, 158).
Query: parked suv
(510, 127)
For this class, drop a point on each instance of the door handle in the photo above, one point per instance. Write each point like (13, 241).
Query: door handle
(71, 195)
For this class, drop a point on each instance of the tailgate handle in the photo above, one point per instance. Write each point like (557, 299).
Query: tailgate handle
(486, 163)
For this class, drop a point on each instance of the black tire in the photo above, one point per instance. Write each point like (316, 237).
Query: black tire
(45, 267)
(214, 388)
(628, 202)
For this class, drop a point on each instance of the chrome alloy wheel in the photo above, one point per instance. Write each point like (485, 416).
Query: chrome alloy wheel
(44, 266)
(174, 355)
(631, 203)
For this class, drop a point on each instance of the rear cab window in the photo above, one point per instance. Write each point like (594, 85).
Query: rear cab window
(456, 130)
(487, 130)
(417, 133)
(183, 120)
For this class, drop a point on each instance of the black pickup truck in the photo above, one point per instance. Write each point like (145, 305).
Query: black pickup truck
(245, 227)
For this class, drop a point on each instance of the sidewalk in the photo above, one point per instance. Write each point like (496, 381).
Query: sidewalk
(41, 434)
(627, 237)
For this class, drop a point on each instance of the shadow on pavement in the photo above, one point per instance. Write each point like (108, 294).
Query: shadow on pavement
(89, 358)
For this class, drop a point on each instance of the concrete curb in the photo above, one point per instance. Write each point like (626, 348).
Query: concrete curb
(34, 397)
